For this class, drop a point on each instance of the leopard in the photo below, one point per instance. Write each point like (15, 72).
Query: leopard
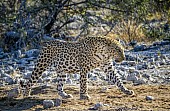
(81, 57)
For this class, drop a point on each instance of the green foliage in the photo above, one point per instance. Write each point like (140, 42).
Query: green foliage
(158, 31)
(76, 18)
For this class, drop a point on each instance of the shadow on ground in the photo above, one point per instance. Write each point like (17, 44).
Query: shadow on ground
(112, 99)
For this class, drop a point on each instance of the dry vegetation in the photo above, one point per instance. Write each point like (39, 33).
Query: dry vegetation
(114, 99)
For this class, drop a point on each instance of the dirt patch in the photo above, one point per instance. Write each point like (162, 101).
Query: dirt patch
(112, 99)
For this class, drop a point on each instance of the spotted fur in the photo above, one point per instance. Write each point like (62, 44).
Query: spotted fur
(78, 57)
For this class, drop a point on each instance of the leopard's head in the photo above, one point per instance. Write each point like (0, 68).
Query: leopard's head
(117, 50)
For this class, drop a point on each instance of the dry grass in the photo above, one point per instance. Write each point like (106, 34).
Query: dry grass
(128, 30)
(113, 97)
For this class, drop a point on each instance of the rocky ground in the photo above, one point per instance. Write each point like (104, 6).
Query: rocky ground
(147, 98)
(146, 71)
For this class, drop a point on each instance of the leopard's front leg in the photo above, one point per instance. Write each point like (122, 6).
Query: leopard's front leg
(114, 79)
(61, 80)
(83, 85)
(25, 88)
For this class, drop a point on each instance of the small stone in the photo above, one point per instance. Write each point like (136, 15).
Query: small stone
(48, 104)
(145, 65)
(2, 71)
(13, 93)
(55, 80)
(139, 67)
(152, 61)
(132, 58)
(32, 53)
(140, 81)
(58, 102)
(104, 89)
(163, 62)
(10, 68)
(93, 77)
(132, 63)
(124, 63)
(69, 81)
(45, 74)
(47, 79)
(8, 80)
(133, 43)
(149, 98)
(22, 61)
(97, 106)
(141, 47)
(46, 86)
(40, 80)
(13, 34)
(146, 76)
(152, 80)
(131, 69)
(76, 76)
(3, 74)
(157, 64)
(27, 75)
(131, 77)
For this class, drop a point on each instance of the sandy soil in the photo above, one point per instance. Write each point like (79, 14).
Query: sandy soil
(112, 99)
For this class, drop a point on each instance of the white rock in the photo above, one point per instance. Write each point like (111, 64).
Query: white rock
(48, 103)
(131, 69)
(97, 106)
(124, 63)
(47, 79)
(140, 81)
(94, 78)
(76, 76)
(5, 75)
(139, 67)
(145, 65)
(132, 63)
(69, 81)
(149, 98)
(152, 60)
(123, 68)
(104, 89)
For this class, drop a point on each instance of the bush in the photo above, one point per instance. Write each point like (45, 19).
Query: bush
(157, 30)
(129, 31)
